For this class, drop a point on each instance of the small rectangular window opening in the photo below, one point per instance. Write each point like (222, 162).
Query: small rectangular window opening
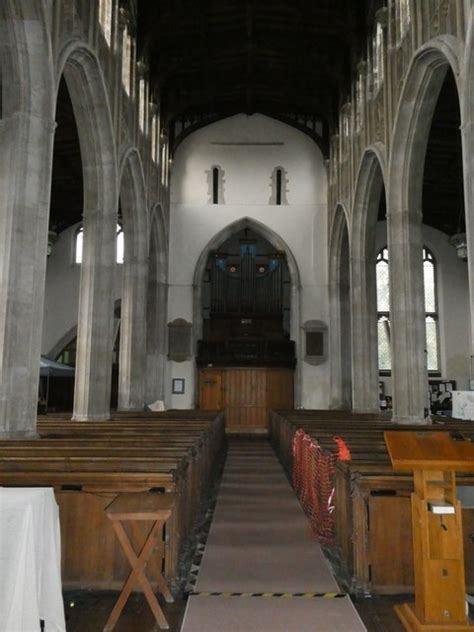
(215, 186)
(278, 187)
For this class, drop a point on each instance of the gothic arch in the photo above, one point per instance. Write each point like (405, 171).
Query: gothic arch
(416, 107)
(339, 306)
(134, 282)
(370, 185)
(85, 81)
(415, 110)
(277, 242)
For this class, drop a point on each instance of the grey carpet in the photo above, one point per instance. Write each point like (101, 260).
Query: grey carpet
(260, 542)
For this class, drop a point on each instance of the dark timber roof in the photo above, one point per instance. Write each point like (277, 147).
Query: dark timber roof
(290, 59)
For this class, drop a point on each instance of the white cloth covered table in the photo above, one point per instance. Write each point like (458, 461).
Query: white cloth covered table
(463, 404)
(30, 561)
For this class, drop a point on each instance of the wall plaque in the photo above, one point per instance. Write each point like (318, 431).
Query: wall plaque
(316, 342)
(179, 340)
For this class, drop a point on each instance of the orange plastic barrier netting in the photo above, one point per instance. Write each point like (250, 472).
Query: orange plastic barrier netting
(314, 481)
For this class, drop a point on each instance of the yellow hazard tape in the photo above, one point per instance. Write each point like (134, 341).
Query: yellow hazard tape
(309, 595)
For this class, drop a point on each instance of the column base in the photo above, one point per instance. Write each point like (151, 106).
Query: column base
(412, 421)
(105, 417)
(29, 434)
(407, 615)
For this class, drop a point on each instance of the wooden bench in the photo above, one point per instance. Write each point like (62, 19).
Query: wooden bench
(373, 512)
(89, 464)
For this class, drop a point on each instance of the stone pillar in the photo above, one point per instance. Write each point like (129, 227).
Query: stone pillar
(96, 315)
(133, 333)
(339, 344)
(407, 316)
(26, 141)
(468, 168)
(365, 372)
(156, 341)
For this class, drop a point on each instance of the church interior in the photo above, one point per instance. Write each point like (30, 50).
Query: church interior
(237, 315)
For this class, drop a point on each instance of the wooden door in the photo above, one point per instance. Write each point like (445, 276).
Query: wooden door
(247, 395)
(245, 400)
(211, 389)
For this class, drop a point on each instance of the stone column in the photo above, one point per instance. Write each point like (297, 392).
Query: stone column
(365, 373)
(26, 140)
(407, 316)
(96, 315)
(339, 344)
(132, 370)
(156, 341)
(468, 167)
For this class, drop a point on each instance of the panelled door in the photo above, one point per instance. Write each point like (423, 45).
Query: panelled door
(211, 389)
(245, 399)
(246, 394)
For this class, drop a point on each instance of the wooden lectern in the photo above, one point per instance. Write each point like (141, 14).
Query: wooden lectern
(438, 551)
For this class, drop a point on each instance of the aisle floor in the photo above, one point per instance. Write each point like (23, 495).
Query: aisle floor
(262, 569)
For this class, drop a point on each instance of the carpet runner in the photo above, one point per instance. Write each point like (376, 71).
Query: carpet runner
(262, 570)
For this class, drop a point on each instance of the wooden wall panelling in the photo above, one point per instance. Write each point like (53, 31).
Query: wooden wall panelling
(246, 394)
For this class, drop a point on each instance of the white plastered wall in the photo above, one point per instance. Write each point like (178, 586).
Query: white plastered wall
(453, 306)
(247, 149)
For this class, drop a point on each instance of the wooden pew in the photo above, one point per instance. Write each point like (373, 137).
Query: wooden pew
(373, 512)
(90, 463)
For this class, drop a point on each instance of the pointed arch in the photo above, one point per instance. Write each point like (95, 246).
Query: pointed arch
(415, 111)
(131, 392)
(370, 186)
(279, 244)
(339, 306)
(89, 96)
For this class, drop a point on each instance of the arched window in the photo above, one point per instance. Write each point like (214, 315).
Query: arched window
(383, 311)
(79, 245)
(278, 187)
(378, 57)
(431, 311)
(403, 17)
(120, 244)
(126, 60)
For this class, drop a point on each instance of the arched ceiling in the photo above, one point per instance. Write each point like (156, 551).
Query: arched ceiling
(290, 59)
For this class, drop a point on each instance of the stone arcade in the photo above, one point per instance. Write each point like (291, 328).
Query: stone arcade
(235, 205)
